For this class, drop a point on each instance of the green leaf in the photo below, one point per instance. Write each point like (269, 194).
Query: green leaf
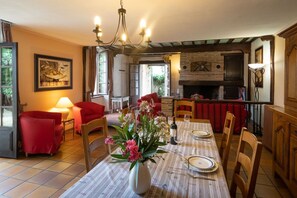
(119, 156)
(161, 151)
(132, 165)
(149, 154)
(152, 160)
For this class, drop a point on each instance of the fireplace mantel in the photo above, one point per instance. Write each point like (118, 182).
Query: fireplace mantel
(210, 83)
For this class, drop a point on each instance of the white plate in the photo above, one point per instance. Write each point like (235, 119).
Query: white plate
(201, 164)
(200, 134)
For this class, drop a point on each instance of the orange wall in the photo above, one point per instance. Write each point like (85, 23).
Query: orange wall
(30, 43)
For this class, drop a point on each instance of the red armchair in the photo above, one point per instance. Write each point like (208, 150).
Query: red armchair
(41, 132)
(149, 98)
(84, 112)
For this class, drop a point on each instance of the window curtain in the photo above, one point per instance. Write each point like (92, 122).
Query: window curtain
(5, 31)
(110, 62)
(92, 68)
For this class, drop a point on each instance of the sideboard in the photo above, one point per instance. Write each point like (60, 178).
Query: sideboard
(284, 146)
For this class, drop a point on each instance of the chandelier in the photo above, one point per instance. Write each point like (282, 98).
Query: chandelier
(123, 39)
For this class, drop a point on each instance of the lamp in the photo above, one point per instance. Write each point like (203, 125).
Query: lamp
(258, 70)
(121, 27)
(63, 104)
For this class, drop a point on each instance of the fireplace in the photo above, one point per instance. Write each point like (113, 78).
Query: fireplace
(208, 91)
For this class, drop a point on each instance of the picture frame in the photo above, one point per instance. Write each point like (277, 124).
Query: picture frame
(52, 73)
(259, 55)
(259, 72)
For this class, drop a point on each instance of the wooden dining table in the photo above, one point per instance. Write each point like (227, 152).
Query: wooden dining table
(170, 175)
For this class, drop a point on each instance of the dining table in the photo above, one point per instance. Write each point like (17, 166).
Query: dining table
(171, 175)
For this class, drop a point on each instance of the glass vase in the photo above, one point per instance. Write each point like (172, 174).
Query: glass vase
(140, 178)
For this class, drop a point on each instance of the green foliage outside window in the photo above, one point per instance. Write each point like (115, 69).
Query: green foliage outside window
(159, 84)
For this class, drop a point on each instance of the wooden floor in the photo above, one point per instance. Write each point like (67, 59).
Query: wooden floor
(46, 176)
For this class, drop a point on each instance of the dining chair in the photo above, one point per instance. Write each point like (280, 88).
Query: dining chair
(249, 163)
(184, 107)
(92, 144)
(226, 139)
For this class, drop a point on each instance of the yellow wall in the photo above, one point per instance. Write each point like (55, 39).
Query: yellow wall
(30, 43)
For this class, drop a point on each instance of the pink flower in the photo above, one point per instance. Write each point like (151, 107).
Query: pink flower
(109, 140)
(130, 143)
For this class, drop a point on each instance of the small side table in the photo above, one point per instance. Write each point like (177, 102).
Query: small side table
(118, 102)
(67, 122)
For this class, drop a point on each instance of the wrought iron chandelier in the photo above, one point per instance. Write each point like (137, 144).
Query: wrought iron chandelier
(123, 39)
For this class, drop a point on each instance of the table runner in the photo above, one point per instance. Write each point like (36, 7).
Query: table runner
(170, 176)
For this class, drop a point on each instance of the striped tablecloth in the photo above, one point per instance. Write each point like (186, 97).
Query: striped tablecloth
(170, 176)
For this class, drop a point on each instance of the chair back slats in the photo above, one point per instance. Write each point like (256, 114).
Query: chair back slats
(184, 107)
(91, 145)
(250, 163)
(226, 139)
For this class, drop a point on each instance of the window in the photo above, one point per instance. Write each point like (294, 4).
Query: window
(102, 74)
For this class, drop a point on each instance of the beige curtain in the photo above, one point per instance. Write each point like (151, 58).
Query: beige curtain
(5, 31)
(92, 68)
(110, 62)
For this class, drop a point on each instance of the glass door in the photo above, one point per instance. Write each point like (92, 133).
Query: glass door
(134, 83)
(8, 100)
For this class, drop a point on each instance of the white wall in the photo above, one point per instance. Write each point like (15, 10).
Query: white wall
(279, 71)
(120, 75)
(264, 93)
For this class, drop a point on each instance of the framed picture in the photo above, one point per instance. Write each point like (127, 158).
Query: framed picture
(52, 73)
(259, 73)
(259, 55)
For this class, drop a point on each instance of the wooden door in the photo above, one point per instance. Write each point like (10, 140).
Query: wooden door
(134, 83)
(8, 100)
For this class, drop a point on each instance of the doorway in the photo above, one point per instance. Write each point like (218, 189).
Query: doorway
(155, 78)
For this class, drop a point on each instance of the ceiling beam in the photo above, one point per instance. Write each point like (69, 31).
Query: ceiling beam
(244, 47)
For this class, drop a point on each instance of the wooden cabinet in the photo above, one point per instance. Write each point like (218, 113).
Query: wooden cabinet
(280, 147)
(284, 146)
(293, 157)
(290, 35)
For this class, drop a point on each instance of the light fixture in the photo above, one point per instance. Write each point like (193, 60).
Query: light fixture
(123, 39)
(258, 71)
(63, 104)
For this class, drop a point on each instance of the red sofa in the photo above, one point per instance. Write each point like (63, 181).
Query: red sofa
(215, 111)
(84, 112)
(149, 98)
(41, 132)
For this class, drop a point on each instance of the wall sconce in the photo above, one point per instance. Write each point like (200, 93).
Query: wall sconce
(258, 71)
(63, 104)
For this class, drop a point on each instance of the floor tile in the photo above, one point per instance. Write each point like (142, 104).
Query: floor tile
(5, 165)
(266, 191)
(71, 183)
(58, 193)
(44, 164)
(9, 184)
(59, 167)
(43, 177)
(74, 170)
(27, 174)
(14, 170)
(22, 190)
(59, 181)
(42, 192)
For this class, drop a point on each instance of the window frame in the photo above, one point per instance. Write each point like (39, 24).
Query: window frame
(98, 82)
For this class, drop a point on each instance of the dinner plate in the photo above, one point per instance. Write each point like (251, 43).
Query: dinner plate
(200, 134)
(201, 164)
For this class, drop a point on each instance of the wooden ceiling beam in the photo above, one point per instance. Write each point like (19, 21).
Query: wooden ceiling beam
(244, 40)
(244, 47)
(230, 41)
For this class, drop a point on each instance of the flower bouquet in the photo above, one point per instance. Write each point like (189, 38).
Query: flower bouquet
(140, 136)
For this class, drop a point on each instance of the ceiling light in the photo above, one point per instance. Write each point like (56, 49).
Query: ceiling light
(121, 35)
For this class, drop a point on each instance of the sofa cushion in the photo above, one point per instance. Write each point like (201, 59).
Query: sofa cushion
(155, 97)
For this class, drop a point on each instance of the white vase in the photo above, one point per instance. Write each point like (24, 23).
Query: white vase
(143, 183)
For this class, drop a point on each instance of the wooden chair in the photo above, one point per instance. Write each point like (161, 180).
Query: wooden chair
(250, 165)
(226, 139)
(184, 107)
(91, 145)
